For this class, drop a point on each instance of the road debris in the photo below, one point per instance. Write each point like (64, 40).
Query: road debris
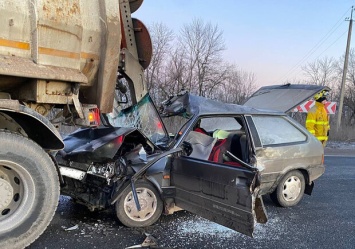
(149, 242)
(70, 228)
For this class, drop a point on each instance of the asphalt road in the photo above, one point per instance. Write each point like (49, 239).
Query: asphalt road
(324, 220)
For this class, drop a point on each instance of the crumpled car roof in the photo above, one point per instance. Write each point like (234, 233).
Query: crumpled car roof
(189, 104)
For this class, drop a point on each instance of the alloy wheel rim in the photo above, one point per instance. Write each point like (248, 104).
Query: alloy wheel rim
(148, 203)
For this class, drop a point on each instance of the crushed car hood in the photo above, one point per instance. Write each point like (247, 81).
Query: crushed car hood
(101, 142)
(283, 97)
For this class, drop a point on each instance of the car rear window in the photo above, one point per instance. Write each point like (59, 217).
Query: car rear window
(274, 130)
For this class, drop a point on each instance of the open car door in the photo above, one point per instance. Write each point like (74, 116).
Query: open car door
(283, 97)
(219, 193)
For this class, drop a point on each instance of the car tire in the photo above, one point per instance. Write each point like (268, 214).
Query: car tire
(290, 190)
(29, 190)
(149, 200)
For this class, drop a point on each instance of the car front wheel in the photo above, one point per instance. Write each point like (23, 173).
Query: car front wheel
(290, 190)
(150, 203)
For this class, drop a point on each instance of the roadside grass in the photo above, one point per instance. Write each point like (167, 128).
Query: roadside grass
(345, 133)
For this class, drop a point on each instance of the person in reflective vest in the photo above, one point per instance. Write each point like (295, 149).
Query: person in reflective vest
(317, 122)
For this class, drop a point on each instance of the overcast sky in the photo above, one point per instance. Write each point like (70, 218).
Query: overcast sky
(270, 38)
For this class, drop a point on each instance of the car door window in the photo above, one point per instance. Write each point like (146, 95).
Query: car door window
(223, 123)
(212, 137)
(275, 130)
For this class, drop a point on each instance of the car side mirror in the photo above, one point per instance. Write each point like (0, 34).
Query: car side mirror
(186, 148)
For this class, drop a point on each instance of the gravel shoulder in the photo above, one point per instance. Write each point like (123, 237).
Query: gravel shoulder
(335, 148)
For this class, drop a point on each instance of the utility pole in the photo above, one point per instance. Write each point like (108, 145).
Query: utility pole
(342, 89)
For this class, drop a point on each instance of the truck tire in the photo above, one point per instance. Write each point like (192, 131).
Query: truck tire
(29, 190)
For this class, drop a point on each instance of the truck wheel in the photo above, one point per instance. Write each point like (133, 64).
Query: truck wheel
(290, 190)
(29, 190)
(149, 200)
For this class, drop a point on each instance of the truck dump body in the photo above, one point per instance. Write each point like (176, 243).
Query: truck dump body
(59, 61)
(47, 46)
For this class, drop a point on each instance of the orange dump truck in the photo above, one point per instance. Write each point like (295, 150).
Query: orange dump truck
(62, 55)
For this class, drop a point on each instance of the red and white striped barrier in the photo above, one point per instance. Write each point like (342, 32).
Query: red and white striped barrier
(329, 106)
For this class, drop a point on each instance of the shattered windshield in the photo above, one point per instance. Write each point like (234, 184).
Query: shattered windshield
(142, 116)
(174, 123)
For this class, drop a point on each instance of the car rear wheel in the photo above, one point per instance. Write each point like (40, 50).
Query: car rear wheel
(290, 190)
(150, 203)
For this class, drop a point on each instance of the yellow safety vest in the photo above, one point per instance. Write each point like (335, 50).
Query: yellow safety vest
(220, 134)
(317, 122)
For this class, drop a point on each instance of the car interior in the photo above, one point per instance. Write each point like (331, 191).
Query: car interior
(207, 145)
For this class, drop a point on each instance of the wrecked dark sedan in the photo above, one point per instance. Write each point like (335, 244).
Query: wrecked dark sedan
(218, 164)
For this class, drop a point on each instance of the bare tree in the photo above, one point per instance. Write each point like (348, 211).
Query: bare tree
(324, 72)
(321, 72)
(162, 38)
(172, 75)
(195, 63)
(203, 45)
(238, 86)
